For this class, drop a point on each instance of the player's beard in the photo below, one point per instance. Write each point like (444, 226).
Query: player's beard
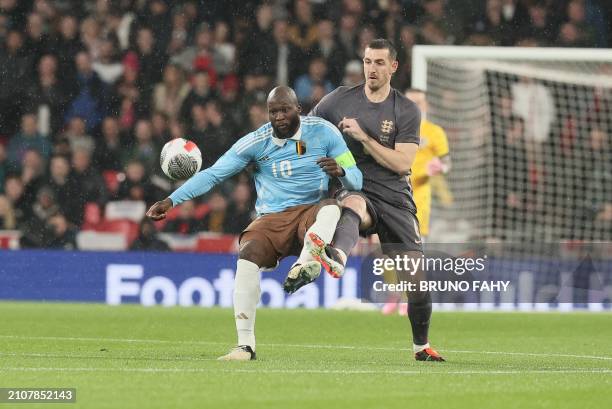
(291, 129)
(377, 84)
(373, 85)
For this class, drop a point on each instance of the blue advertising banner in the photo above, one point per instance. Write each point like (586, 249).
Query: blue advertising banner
(200, 279)
(167, 279)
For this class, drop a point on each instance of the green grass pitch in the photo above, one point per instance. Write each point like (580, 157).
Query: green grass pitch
(135, 357)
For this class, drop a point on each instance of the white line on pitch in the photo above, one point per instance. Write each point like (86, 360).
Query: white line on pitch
(115, 357)
(314, 371)
(313, 346)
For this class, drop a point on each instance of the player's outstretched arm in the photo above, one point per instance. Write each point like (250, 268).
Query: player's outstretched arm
(228, 165)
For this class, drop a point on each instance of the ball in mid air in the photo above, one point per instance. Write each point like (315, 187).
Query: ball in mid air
(180, 159)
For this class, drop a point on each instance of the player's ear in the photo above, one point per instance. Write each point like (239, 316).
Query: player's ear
(299, 108)
(394, 66)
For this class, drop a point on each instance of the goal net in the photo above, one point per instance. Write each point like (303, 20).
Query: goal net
(530, 140)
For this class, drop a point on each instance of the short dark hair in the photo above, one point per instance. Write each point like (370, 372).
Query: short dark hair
(384, 44)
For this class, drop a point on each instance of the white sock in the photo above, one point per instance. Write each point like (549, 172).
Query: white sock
(418, 348)
(324, 227)
(246, 297)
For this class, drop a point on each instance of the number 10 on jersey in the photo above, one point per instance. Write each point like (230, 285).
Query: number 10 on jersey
(284, 167)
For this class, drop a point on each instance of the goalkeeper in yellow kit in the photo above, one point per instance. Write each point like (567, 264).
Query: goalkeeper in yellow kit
(432, 158)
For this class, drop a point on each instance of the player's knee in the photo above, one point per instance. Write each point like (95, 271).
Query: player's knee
(357, 204)
(254, 252)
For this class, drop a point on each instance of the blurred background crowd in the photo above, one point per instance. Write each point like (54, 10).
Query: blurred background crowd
(91, 90)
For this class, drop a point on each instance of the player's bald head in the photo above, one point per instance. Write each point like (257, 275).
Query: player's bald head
(283, 94)
(284, 111)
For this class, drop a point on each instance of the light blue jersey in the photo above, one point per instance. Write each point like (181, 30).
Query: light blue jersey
(286, 171)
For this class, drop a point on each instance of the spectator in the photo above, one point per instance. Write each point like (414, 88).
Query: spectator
(109, 150)
(36, 41)
(317, 75)
(169, 95)
(258, 39)
(224, 51)
(143, 148)
(91, 93)
(27, 139)
(234, 112)
(77, 136)
(3, 167)
(540, 26)
(407, 39)
(15, 66)
(200, 93)
(179, 35)
(157, 17)
(258, 115)
(220, 135)
(200, 57)
(48, 97)
(65, 45)
(65, 188)
(216, 218)
(8, 220)
(136, 185)
(176, 129)
(91, 37)
(32, 175)
(240, 208)
(279, 57)
(161, 133)
(347, 35)
(197, 133)
(327, 48)
(186, 222)
(89, 181)
(303, 32)
(45, 205)
(353, 73)
(150, 61)
(130, 99)
(147, 239)
(63, 235)
(107, 66)
(576, 32)
(366, 35)
(14, 192)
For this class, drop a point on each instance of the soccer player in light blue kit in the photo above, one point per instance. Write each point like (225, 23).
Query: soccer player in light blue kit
(294, 156)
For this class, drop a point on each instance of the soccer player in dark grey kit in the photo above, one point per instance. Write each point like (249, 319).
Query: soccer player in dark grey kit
(381, 128)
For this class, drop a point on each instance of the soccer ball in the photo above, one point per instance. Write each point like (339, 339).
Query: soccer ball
(180, 159)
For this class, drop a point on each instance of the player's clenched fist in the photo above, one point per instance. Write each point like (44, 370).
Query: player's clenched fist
(331, 167)
(351, 127)
(159, 209)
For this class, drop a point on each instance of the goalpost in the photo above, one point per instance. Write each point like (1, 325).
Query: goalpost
(530, 134)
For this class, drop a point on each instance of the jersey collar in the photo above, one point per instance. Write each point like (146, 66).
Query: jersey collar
(282, 142)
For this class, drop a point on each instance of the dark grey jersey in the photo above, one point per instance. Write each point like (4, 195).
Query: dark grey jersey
(395, 120)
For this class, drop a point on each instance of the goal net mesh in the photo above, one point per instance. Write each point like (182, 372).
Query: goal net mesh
(531, 150)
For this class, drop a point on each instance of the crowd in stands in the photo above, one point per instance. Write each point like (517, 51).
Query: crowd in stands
(91, 90)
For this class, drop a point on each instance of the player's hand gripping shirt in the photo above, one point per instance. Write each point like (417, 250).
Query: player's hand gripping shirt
(286, 172)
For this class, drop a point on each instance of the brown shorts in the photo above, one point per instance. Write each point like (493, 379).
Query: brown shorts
(281, 233)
